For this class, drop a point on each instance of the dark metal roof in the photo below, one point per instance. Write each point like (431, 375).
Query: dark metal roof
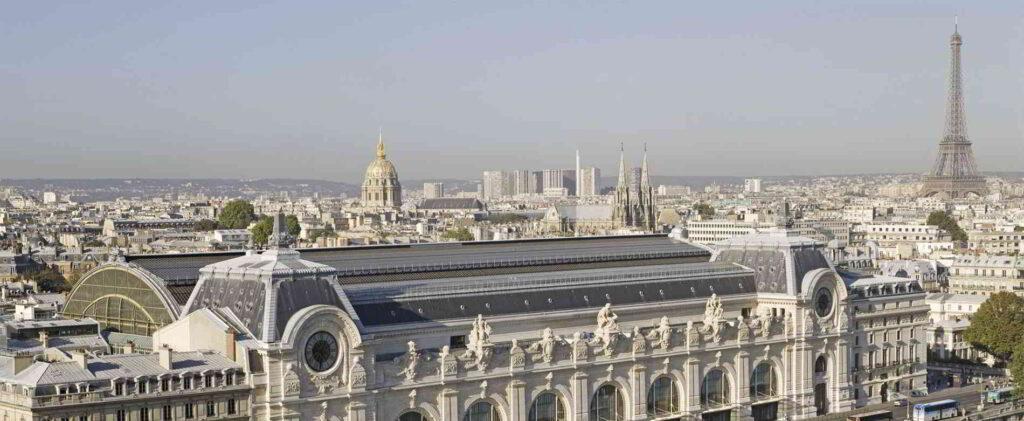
(451, 203)
(418, 261)
(417, 301)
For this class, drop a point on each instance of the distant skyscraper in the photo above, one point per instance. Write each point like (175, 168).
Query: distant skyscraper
(587, 181)
(579, 177)
(527, 182)
(560, 179)
(752, 185)
(954, 174)
(433, 190)
(494, 185)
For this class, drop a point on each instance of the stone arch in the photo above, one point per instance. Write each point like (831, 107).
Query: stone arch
(623, 393)
(728, 374)
(424, 408)
(494, 399)
(681, 379)
(676, 387)
(560, 393)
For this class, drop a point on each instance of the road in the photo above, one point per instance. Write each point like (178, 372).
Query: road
(968, 396)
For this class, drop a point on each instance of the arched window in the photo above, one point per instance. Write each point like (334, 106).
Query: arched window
(662, 399)
(412, 416)
(820, 365)
(762, 382)
(482, 411)
(714, 390)
(547, 407)
(607, 404)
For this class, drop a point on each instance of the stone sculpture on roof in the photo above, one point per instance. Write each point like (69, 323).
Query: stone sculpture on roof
(479, 347)
(712, 326)
(410, 360)
(607, 333)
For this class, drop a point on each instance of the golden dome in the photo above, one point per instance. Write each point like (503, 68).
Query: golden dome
(380, 168)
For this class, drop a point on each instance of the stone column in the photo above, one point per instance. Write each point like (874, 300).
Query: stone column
(580, 397)
(638, 382)
(843, 396)
(692, 389)
(448, 405)
(804, 367)
(743, 370)
(517, 400)
(356, 411)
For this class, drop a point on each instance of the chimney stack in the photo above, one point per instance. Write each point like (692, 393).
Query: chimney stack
(80, 359)
(165, 357)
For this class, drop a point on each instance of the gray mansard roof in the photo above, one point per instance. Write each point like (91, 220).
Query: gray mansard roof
(387, 303)
(779, 259)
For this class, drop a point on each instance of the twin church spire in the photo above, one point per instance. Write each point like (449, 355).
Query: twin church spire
(634, 208)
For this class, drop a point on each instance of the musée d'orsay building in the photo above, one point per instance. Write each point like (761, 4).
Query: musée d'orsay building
(572, 329)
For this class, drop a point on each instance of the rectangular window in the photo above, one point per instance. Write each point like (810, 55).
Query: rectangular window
(190, 411)
(167, 413)
(165, 385)
(142, 386)
(231, 407)
(208, 381)
(144, 414)
(119, 389)
(211, 409)
(119, 415)
(457, 342)
(229, 379)
(188, 383)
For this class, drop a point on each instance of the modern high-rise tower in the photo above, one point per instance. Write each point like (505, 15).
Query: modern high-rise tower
(954, 174)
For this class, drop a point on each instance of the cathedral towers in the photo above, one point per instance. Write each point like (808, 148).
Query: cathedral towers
(634, 208)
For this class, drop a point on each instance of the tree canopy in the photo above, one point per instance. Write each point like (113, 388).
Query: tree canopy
(47, 279)
(461, 234)
(998, 325)
(262, 230)
(237, 214)
(206, 225)
(294, 228)
(704, 209)
(946, 222)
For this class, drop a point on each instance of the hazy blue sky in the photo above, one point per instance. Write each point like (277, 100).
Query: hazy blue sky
(298, 89)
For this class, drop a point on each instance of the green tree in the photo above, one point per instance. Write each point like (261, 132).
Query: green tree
(206, 225)
(998, 326)
(947, 223)
(461, 234)
(47, 279)
(1016, 367)
(94, 243)
(704, 209)
(262, 230)
(237, 214)
(294, 228)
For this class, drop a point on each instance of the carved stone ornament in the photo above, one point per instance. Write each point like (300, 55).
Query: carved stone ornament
(324, 384)
(661, 335)
(639, 342)
(448, 365)
(742, 329)
(410, 361)
(516, 355)
(291, 380)
(357, 374)
(479, 348)
(810, 322)
(844, 321)
(545, 346)
(788, 324)
(692, 336)
(579, 347)
(607, 333)
(323, 412)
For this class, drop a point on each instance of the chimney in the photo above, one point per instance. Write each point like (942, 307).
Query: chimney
(80, 359)
(44, 338)
(165, 357)
(23, 360)
(128, 348)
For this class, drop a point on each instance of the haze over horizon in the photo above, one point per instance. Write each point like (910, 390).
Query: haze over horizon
(298, 90)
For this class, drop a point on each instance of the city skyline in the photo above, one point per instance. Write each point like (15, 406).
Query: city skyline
(849, 88)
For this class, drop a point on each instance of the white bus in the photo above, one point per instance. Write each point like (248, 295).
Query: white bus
(936, 410)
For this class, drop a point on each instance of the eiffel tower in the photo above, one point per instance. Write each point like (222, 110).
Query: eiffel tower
(954, 174)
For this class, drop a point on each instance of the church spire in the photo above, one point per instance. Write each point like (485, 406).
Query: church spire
(623, 176)
(645, 177)
(382, 153)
